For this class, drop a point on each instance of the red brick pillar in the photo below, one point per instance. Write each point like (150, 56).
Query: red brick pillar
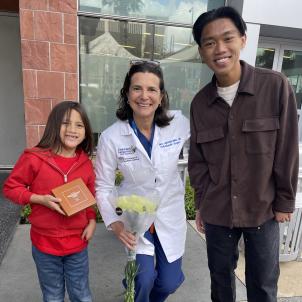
(49, 59)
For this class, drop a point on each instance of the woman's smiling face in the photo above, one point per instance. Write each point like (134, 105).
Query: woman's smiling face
(144, 95)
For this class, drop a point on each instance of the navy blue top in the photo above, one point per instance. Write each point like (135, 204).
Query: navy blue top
(147, 144)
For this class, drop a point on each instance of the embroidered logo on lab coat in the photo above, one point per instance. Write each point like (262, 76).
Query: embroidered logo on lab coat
(128, 159)
(127, 154)
(126, 150)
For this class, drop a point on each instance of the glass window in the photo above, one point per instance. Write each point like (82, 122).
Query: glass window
(265, 57)
(177, 11)
(289, 63)
(181, 64)
(292, 68)
(106, 47)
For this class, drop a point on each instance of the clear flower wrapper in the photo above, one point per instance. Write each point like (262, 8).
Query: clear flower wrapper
(137, 211)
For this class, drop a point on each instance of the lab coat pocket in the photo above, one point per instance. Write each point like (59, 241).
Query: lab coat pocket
(260, 135)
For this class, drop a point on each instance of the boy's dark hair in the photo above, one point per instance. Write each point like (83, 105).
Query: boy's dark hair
(212, 15)
(51, 136)
(124, 111)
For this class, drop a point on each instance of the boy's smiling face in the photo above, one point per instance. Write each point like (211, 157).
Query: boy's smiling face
(221, 43)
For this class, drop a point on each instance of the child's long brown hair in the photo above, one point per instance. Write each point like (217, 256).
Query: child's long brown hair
(51, 137)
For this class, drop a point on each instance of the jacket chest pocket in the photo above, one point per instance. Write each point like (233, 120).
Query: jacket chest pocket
(212, 142)
(260, 135)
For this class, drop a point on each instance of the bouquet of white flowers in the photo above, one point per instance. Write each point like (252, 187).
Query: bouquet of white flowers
(137, 213)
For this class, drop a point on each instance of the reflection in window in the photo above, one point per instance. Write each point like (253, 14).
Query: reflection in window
(106, 47)
(292, 68)
(265, 57)
(180, 11)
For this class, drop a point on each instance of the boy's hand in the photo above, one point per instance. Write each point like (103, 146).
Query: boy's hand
(282, 217)
(89, 230)
(199, 222)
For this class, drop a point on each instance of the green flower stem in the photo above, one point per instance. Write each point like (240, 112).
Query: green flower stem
(131, 270)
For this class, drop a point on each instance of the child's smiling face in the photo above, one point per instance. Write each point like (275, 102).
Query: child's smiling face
(72, 133)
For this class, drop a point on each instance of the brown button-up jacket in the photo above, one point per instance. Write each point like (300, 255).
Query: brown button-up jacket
(243, 159)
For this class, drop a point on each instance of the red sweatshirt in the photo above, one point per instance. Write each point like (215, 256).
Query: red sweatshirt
(37, 172)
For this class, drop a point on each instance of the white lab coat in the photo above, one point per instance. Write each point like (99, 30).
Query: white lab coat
(120, 148)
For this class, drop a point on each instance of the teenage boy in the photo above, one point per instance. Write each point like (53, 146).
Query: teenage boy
(243, 159)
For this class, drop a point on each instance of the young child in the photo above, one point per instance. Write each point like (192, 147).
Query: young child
(59, 243)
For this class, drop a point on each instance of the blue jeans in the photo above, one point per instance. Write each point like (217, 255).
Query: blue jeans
(261, 261)
(56, 271)
(155, 282)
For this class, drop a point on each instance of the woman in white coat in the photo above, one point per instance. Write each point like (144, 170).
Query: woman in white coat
(144, 144)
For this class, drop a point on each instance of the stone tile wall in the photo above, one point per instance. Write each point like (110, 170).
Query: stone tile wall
(49, 59)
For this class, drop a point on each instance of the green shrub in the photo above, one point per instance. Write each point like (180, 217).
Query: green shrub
(98, 214)
(189, 201)
(26, 210)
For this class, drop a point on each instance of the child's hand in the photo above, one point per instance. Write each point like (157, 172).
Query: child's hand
(53, 203)
(48, 201)
(89, 230)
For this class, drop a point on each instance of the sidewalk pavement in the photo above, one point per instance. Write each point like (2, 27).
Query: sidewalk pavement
(290, 280)
(18, 280)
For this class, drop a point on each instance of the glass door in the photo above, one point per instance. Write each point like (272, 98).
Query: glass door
(286, 58)
(291, 66)
(106, 48)
(268, 55)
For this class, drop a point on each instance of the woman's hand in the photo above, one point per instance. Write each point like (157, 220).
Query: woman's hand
(89, 230)
(48, 201)
(128, 239)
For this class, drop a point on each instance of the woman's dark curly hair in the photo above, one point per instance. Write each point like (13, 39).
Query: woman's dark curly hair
(124, 111)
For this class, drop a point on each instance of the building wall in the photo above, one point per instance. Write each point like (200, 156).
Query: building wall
(273, 12)
(12, 131)
(49, 47)
(250, 51)
(49, 59)
(283, 23)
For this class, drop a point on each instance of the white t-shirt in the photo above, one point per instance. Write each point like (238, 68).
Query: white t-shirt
(228, 93)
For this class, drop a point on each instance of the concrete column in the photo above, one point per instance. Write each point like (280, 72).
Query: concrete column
(250, 51)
